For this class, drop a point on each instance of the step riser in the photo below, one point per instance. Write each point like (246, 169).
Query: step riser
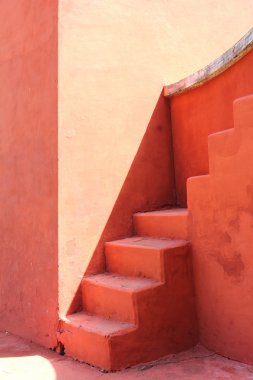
(85, 346)
(134, 262)
(140, 262)
(173, 227)
(108, 302)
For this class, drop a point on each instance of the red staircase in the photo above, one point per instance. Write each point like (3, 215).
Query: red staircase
(142, 308)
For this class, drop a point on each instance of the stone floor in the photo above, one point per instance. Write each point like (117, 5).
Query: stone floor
(20, 360)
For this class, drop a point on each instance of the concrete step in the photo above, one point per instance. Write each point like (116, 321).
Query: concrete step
(142, 256)
(171, 223)
(87, 337)
(114, 296)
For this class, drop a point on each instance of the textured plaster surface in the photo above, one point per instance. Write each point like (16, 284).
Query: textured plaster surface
(221, 208)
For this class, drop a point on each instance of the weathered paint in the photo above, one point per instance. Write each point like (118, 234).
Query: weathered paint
(216, 67)
(221, 208)
(28, 169)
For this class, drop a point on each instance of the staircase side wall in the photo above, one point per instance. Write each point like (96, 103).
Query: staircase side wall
(221, 210)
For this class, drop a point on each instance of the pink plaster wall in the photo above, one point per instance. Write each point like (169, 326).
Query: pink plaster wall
(28, 169)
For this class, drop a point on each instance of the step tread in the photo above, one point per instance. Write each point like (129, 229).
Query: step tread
(122, 283)
(165, 212)
(149, 243)
(96, 324)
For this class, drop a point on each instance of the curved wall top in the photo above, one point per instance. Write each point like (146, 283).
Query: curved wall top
(216, 67)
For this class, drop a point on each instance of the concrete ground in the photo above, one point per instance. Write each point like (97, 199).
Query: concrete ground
(20, 360)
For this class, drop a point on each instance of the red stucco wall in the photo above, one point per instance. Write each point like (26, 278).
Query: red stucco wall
(221, 209)
(28, 169)
(204, 110)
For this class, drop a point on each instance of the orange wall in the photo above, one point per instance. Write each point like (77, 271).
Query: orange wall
(202, 111)
(28, 169)
(221, 208)
(114, 58)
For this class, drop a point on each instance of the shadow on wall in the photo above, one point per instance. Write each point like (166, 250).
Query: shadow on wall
(202, 111)
(149, 185)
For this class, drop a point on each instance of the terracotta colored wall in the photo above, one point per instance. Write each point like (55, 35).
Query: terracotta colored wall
(28, 168)
(221, 207)
(114, 58)
(202, 111)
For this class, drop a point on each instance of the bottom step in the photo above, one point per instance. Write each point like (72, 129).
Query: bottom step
(89, 336)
